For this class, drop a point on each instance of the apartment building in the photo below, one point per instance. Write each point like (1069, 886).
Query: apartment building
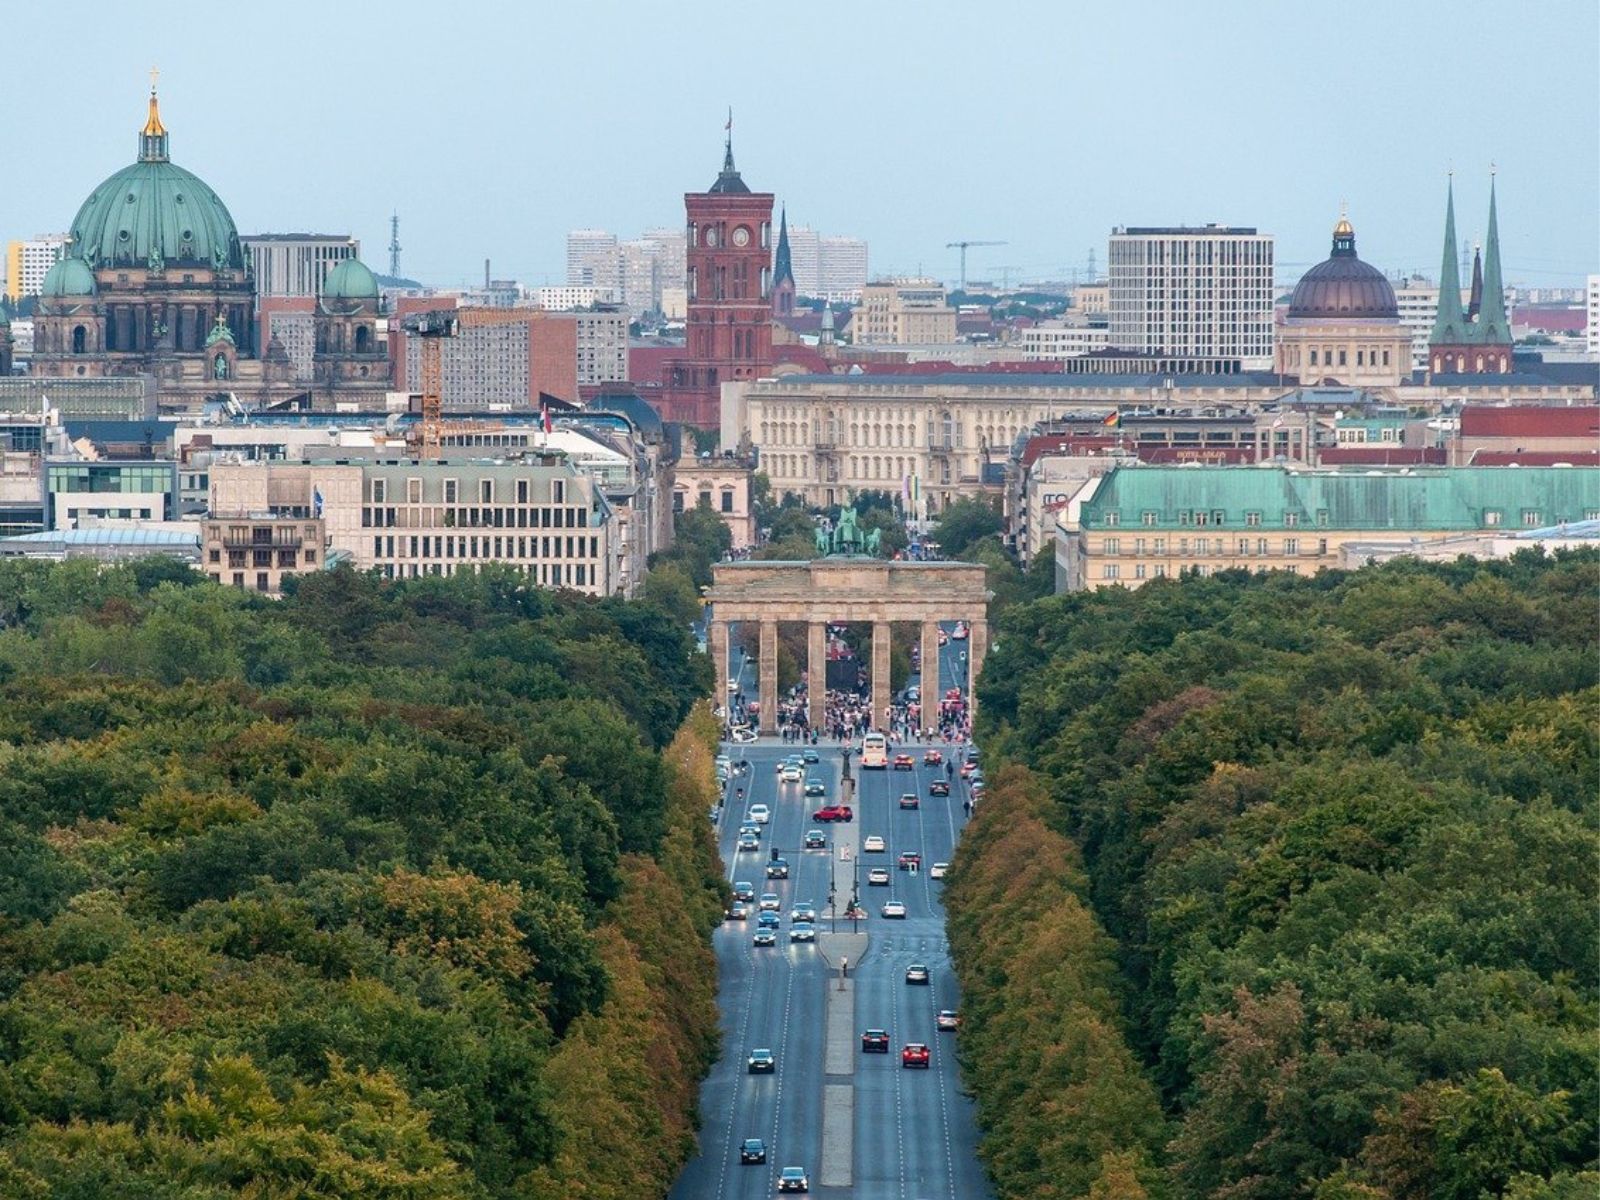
(1138, 523)
(29, 260)
(405, 518)
(257, 551)
(296, 264)
(901, 312)
(1056, 341)
(1193, 292)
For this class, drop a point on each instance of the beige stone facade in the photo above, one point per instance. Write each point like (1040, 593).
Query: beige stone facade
(257, 551)
(903, 312)
(845, 590)
(1368, 354)
(723, 485)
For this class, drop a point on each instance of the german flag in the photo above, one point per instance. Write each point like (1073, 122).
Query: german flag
(1114, 421)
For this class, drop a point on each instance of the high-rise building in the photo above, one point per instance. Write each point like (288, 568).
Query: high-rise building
(1197, 293)
(498, 366)
(903, 312)
(602, 341)
(295, 264)
(565, 299)
(1592, 329)
(1475, 340)
(592, 259)
(827, 266)
(29, 261)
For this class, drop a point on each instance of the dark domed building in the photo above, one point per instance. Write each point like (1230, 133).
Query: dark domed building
(155, 281)
(1343, 325)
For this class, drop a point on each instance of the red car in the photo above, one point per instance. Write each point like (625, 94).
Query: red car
(908, 800)
(931, 758)
(968, 770)
(909, 859)
(875, 1041)
(916, 1055)
(902, 762)
(834, 812)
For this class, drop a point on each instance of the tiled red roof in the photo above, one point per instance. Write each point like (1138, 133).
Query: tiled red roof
(1535, 458)
(1377, 454)
(1547, 421)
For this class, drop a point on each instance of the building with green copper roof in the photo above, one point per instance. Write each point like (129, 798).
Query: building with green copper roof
(1139, 522)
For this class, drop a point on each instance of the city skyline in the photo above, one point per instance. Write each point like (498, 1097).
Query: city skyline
(472, 177)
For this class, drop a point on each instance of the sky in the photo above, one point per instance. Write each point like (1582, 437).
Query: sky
(493, 128)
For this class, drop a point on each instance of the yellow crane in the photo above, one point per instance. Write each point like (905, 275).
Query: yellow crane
(432, 328)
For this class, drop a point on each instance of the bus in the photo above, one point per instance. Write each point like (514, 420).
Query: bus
(874, 752)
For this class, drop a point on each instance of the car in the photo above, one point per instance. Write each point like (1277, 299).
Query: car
(816, 839)
(972, 754)
(738, 911)
(803, 910)
(893, 909)
(792, 773)
(778, 868)
(758, 814)
(931, 758)
(938, 870)
(959, 633)
(743, 735)
(744, 890)
(749, 827)
(873, 844)
(748, 841)
(763, 1062)
(767, 920)
(939, 787)
(814, 787)
(764, 937)
(902, 762)
(878, 877)
(723, 764)
(968, 770)
(909, 800)
(834, 812)
(875, 1041)
(754, 1150)
(802, 933)
(793, 1179)
(769, 902)
(916, 1054)
(788, 760)
(909, 860)
(917, 973)
(948, 1020)
(810, 756)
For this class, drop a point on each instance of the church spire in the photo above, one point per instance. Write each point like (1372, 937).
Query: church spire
(153, 137)
(783, 268)
(1448, 325)
(728, 180)
(1492, 315)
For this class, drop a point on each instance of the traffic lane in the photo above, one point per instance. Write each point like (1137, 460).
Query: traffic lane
(879, 1118)
(928, 1152)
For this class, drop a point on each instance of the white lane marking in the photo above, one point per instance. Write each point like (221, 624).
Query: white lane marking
(783, 1058)
(733, 1100)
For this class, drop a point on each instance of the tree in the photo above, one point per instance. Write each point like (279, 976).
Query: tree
(963, 522)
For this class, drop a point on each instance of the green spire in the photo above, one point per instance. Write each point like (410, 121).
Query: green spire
(1449, 325)
(1493, 327)
(783, 269)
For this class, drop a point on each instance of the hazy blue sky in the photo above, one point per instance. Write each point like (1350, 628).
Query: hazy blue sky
(494, 128)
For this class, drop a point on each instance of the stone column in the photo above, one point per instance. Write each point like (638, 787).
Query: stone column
(977, 650)
(768, 665)
(932, 689)
(881, 634)
(719, 661)
(816, 672)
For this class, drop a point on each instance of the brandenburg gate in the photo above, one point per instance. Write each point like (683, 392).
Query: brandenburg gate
(844, 590)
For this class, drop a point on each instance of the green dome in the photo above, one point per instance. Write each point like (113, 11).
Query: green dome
(350, 280)
(154, 212)
(69, 277)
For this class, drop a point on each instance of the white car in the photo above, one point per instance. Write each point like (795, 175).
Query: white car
(873, 845)
(937, 870)
(769, 902)
(760, 814)
(894, 908)
(743, 734)
(791, 773)
(802, 933)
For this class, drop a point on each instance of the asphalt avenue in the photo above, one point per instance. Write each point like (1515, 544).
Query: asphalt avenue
(913, 1134)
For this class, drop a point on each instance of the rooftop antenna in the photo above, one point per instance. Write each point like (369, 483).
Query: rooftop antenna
(394, 245)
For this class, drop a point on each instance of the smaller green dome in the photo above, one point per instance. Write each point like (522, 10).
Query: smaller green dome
(69, 277)
(350, 280)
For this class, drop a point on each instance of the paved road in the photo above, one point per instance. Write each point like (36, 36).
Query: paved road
(914, 1133)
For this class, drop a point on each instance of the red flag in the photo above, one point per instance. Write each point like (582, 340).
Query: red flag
(544, 414)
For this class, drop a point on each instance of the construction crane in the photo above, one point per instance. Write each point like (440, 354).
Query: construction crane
(963, 248)
(433, 327)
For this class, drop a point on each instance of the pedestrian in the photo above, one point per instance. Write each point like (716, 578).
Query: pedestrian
(966, 807)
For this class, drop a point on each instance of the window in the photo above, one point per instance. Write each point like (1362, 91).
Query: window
(1161, 570)
(216, 556)
(1244, 546)
(452, 493)
(727, 502)
(1201, 517)
(558, 491)
(1261, 545)
(1202, 545)
(1138, 545)
(1291, 545)
(1252, 519)
(1183, 516)
(1290, 520)
(485, 491)
(522, 491)
(1217, 516)
(1113, 517)
(380, 492)
(1148, 517)
(413, 491)
(1110, 570)
(1138, 570)
(1322, 518)
(1161, 545)
(1530, 518)
(1113, 545)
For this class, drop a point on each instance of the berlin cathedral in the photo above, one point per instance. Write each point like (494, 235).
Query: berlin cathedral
(155, 281)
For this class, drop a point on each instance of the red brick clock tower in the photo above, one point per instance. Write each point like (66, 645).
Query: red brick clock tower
(729, 281)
